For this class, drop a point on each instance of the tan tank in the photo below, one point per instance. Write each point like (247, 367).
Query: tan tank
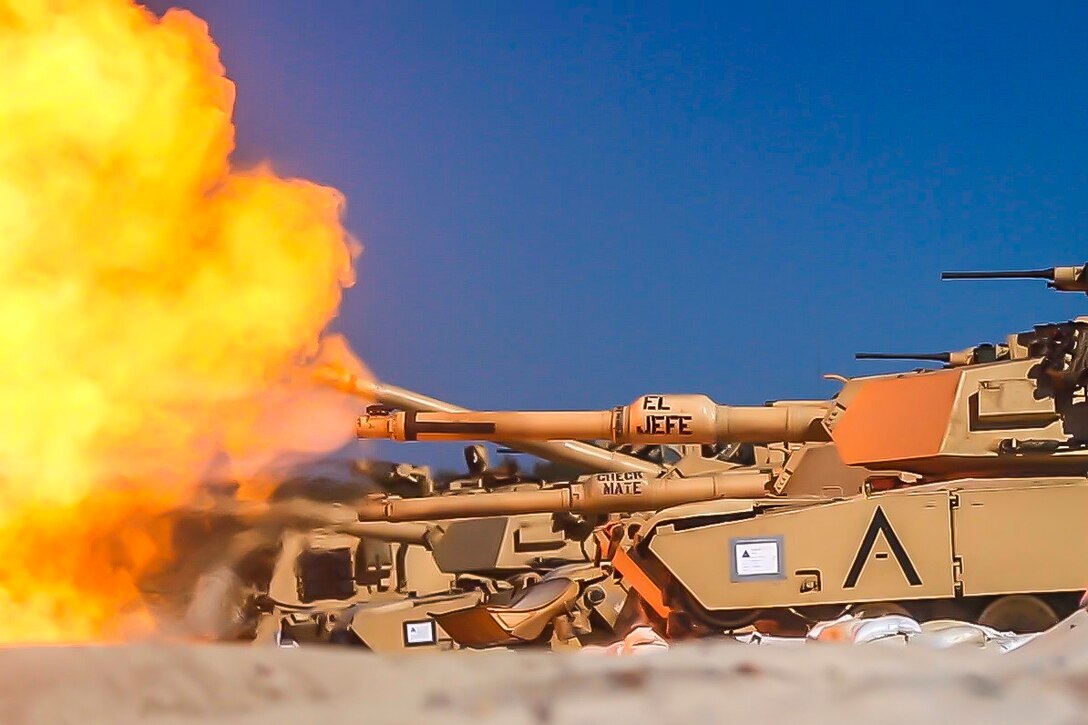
(351, 582)
(378, 587)
(952, 492)
(327, 586)
(378, 584)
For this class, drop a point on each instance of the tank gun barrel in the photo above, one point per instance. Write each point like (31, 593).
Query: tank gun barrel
(650, 420)
(619, 492)
(382, 393)
(306, 514)
(573, 452)
(1063, 279)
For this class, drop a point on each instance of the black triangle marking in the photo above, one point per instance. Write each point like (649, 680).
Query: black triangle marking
(744, 555)
(880, 524)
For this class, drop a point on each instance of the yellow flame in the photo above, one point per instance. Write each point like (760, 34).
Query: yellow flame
(157, 307)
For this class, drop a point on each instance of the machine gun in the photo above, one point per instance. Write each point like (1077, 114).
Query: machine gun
(1061, 346)
(1063, 279)
(573, 452)
(977, 355)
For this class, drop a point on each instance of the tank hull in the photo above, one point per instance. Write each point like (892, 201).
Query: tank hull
(964, 542)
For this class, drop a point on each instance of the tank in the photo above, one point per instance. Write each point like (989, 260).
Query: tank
(331, 582)
(376, 584)
(291, 559)
(953, 492)
(379, 586)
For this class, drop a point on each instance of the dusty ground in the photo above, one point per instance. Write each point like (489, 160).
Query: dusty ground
(1045, 681)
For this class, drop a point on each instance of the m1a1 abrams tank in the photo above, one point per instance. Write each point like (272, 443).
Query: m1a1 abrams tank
(945, 493)
(338, 580)
(335, 583)
(328, 585)
(292, 565)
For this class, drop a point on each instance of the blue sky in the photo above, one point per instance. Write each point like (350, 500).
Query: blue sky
(568, 205)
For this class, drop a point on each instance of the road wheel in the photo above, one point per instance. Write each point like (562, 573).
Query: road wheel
(1019, 613)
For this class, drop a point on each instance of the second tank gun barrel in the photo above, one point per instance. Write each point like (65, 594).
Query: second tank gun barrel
(618, 492)
(650, 420)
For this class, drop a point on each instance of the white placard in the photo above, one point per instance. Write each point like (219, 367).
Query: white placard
(420, 633)
(756, 558)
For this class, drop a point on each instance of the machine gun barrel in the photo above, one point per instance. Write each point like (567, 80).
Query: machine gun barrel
(650, 420)
(1063, 279)
(943, 357)
(573, 452)
(985, 353)
(1003, 274)
(624, 492)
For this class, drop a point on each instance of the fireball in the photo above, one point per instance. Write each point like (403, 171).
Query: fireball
(159, 309)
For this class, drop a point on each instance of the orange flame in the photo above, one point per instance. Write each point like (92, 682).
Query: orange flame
(158, 309)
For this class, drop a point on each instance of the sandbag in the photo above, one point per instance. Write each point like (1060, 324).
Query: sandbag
(890, 625)
(853, 630)
(960, 635)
